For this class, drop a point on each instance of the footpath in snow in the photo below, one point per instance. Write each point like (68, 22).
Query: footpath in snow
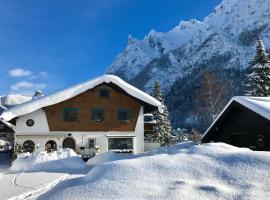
(184, 171)
(32, 175)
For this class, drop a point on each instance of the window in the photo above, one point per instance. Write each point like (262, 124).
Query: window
(148, 117)
(98, 115)
(260, 141)
(121, 144)
(91, 143)
(103, 93)
(28, 146)
(30, 122)
(50, 146)
(123, 115)
(70, 114)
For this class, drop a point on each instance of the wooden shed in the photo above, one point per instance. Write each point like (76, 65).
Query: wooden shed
(244, 122)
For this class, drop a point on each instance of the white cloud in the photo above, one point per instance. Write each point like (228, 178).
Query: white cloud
(23, 86)
(18, 72)
(42, 75)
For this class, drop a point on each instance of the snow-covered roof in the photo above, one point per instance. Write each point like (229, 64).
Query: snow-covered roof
(70, 92)
(7, 123)
(260, 105)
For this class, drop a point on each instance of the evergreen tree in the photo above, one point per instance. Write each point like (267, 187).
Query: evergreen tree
(261, 56)
(162, 132)
(259, 78)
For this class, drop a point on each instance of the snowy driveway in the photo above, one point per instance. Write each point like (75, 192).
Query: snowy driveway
(27, 185)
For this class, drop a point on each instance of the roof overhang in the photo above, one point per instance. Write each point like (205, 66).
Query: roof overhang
(73, 91)
(259, 105)
(9, 125)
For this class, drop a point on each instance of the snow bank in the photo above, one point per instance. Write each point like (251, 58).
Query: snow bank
(108, 157)
(64, 159)
(185, 171)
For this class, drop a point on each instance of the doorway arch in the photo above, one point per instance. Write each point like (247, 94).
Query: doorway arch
(50, 146)
(69, 143)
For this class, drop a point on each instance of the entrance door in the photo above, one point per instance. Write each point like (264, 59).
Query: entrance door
(69, 143)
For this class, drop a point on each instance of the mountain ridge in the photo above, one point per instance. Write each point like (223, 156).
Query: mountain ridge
(224, 42)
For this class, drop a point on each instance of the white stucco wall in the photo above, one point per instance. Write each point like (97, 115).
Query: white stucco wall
(40, 134)
(138, 140)
(40, 125)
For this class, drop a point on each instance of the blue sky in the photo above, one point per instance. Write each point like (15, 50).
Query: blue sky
(50, 45)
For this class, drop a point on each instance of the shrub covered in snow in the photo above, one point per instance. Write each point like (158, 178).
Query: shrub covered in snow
(184, 171)
(64, 159)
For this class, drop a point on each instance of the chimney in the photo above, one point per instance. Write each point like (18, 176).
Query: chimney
(38, 94)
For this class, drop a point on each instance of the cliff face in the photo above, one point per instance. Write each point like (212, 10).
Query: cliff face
(224, 41)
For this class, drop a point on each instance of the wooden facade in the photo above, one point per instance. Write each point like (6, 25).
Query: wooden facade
(242, 127)
(89, 100)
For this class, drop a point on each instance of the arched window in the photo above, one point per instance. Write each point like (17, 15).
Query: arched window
(50, 146)
(29, 146)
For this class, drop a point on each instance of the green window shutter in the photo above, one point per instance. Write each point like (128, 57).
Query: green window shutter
(71, 114)
(124, 115)
(97, 115)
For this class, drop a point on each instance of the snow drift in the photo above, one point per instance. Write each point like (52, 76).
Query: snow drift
(108, 157)
(185, 171)
(64, 159)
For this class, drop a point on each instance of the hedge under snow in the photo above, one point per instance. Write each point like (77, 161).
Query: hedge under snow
(64, 159)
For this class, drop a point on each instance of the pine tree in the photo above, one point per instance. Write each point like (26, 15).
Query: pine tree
(259, 78)
(162, 132)
(261, 56)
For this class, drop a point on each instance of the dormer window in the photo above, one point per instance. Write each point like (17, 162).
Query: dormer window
(103, 93)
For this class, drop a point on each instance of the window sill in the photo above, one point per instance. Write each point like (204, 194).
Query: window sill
(98, 121)
(124, 121)
(122, 150)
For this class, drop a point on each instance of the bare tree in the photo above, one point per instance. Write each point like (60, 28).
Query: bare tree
(196, 136)
(211, 97)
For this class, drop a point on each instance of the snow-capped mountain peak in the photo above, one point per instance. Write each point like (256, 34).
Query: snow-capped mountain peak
(13, 99)
(224, 41)
(139, 53)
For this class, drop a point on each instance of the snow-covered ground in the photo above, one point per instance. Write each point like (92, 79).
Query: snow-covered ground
(32, 175)
(184, 171)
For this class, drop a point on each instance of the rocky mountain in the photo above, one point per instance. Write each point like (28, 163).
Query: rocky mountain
(223, 42)
(13, 99)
